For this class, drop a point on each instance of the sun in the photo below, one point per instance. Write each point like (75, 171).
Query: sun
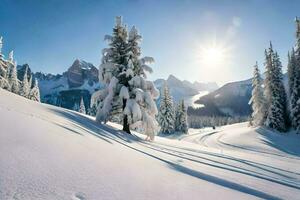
(212, 56)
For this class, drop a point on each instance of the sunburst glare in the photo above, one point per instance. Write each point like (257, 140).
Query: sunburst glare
(213, 55)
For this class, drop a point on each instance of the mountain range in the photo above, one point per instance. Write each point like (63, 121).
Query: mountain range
(66, 89)
(80, 80)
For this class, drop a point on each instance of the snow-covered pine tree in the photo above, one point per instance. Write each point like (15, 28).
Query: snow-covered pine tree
(11, 56)
(30, 84)
(281, 91)
(114, 58)
(295, 102)
(25, 89)
(275, 92)
(294, 81)
(3, 82)
(177, 109)
(292, 74)
(267, 80)
(12, 75)
(181, 118)
(291, 70)
(124, 72)
(257, 100)
(35, 92)
(166, 114)
(82, 107)
(177, 116)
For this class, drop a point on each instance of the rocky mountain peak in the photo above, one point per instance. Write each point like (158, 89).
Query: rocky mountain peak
(81, 71)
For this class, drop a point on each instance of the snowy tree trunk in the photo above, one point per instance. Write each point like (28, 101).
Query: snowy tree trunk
(126, 126)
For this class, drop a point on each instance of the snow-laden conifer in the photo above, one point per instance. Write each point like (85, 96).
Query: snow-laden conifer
(25, 88)
(291, 70)
(294, 81)
(275, 92)
(114, 58)
(35, 92)
(166, 114)
(30, 83)
(127, 89)
(11, 56)
(181, 118)
(82, 107)
(257, 100)
(13, 78)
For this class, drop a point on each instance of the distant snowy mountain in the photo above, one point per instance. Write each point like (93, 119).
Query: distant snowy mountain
(231, 99)
(181, 89)
(66, 90)
(81, 80)
(209, 86)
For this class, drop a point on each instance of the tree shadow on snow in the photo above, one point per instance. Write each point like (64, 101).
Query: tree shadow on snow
(285, 142)
(112, 135)
(85, 124)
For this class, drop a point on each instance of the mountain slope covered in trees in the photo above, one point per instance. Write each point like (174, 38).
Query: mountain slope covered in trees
(231, 99)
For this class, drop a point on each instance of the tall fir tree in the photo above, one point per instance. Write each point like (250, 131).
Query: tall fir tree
(30, 83)
(35, 92)
(275, 92)
(82, 107)
(124, 72)
(166, 114)
(25, 88)
(257, 100)
(11, 56)
(181, 118)
(12, 75)
(294, 81)
(291, 70)
(114, 59)
(3, 82)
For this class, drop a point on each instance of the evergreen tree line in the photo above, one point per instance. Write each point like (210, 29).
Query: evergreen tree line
(213, 121)
(9, 78)
(171, 118)
(273, 105)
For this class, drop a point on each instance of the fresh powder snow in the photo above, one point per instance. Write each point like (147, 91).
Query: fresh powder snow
(48, 152)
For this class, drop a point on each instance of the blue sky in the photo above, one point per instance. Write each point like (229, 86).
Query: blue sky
(50, 35)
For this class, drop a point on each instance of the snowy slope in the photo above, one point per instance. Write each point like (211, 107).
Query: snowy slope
(52, 153)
